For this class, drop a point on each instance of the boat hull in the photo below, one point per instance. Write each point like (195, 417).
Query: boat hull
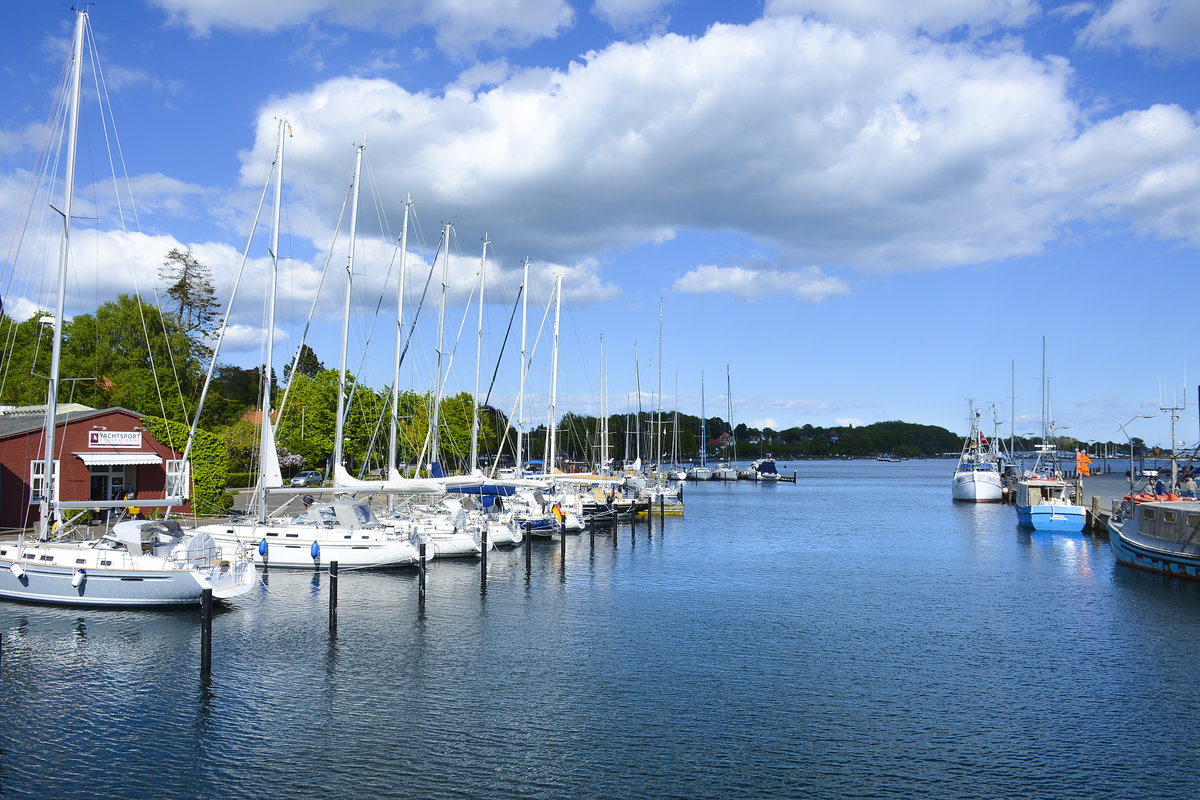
(114, 585)
(1168, 545)
(288, 548)
(977, 487)
(1052, 517)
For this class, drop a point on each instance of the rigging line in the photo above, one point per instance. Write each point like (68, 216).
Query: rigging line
(312, 309)
(503, 344)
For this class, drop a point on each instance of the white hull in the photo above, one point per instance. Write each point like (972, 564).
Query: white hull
(291, 546)
(977, 486)
(699, 474)
(98, 574)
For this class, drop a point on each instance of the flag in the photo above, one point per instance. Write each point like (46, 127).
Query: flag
(1083, 463)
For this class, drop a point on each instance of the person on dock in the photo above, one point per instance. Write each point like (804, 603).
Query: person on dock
(1189, 487)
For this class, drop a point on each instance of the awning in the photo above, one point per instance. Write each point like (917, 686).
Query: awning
(107, 459)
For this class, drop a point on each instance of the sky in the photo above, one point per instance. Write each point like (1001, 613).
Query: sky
(845, 211)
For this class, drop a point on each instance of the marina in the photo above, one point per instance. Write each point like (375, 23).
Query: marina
(757, 646)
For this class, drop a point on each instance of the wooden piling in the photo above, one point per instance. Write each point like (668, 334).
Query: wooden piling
(421, 574)
(206, 606)
(528, 548)
(562, 538)
(483, 560)
(333, 576)
(591, 525)
(662, 510)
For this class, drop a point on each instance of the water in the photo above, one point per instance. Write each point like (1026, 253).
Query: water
(854, 635)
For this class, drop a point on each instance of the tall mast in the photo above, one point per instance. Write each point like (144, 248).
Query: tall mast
(266, 444)
(437, 389)
(729, 398)
(637, 425)
(49, 479)
(554, 373)
(658, 445)
(339, 427)
(603, 408)
(393, 428)
(521, 385)
(703, 434)
(478, 353)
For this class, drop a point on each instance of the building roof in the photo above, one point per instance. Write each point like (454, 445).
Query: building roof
(16, 421)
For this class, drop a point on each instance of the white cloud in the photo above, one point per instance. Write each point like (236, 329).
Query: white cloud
(459, 25)
(809, 285)
(873, 151)
(935, 17)
(849, 422)
(631, 14)
(1170, 27)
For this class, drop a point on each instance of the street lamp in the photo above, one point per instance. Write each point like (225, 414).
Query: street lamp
(1128, 439)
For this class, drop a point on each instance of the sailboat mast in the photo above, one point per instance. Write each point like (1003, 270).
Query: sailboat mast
(658, 444)
(478, 354)
(729, 398)
(554, 374)
(49, 479)
(393, 428)
(266, 444)
(437, 389)
(603, 408)
(521, 384)
(703, 433)
(637, 426)
(339, 427)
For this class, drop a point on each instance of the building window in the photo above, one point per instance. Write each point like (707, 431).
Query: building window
(37, 480)
(178, 476)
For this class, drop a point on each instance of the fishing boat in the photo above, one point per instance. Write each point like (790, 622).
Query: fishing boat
(977, 475)
(1158, 536)
(136, 563)
(1045, 501)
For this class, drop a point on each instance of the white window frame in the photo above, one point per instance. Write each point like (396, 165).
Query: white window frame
(37, 476)
(179, 476)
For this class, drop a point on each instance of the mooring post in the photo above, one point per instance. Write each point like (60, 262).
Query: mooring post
(528, 548)
(333, 569)
(206, 604)
(483, 543)
(591, 523)
(662, 510)
(562, 539)
(421, 573)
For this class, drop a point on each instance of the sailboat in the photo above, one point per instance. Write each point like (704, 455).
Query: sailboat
(137, 563)
(726, 471)
(1045, 501)
(702, 472)
(977, 474)
(342, 530)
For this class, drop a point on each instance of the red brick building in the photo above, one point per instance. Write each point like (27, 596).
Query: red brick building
(102, 455)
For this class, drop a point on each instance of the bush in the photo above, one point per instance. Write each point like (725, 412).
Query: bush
(210, 463)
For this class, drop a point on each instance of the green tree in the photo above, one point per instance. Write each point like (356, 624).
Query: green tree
(308, 364)
(190, 292)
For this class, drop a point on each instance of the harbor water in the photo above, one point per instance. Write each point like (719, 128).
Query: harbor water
(856, 634)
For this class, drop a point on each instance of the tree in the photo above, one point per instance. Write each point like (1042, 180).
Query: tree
(308, 364)
(190, 289)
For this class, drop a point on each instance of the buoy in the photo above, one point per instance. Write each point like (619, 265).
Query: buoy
(262, 547)
(78, 578)
(17, 571)
(315, 551)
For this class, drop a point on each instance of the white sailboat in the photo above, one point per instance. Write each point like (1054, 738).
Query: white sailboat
(702, 472)
(137, 563)
(342, 530)
(726, 471)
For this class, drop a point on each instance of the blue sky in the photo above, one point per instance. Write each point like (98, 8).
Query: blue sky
(867, 210)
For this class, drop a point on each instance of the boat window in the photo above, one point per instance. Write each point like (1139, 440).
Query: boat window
(1147, 513)
(1193, 519)
(1170, 516)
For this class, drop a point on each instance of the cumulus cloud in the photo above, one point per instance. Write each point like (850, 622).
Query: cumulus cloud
(1169, 27)
(869, 150)
(809, 285)
(459, 26)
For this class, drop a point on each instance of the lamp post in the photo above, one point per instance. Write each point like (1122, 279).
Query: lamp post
(1128, 439)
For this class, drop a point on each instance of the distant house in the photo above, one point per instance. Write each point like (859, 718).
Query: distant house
(720, 441)
(102, 455)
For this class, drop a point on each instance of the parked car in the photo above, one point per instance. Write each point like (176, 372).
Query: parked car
(309, 477)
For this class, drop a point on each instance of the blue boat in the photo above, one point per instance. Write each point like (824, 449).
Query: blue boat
(1046, 502)
(1158, 536)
